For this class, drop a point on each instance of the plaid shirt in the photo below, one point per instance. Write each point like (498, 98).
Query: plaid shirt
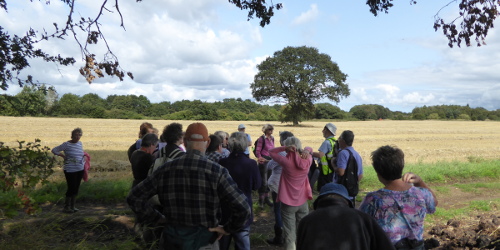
(191, 189)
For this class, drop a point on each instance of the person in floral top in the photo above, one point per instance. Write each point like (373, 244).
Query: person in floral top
(400, 207)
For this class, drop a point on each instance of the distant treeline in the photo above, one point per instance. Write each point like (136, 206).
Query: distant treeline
(42, 101)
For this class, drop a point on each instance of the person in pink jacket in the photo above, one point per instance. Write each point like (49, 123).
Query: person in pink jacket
(294, 189)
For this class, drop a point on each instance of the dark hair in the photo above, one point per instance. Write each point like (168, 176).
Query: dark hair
(284, 135)
(76, 130)
(149, 140)
(144, 129)
(215, 142)
(172, 133)
(348, 137)
(388, 162)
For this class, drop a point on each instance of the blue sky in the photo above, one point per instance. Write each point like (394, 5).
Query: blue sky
(207, 50)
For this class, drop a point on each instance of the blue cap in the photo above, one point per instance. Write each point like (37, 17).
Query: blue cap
(335, 188)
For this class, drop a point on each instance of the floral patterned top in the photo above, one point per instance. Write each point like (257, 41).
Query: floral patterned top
(401, 214)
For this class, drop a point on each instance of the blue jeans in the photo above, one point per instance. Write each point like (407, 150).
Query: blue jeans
(241, 240)
(278, 222)
(291, 217)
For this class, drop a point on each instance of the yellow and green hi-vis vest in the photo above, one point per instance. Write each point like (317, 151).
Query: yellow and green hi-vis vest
(326, 159)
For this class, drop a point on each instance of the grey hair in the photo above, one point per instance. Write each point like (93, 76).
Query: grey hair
(238, 142)
(293, 141)
(266, 127)
(149, 140)
(223, 134)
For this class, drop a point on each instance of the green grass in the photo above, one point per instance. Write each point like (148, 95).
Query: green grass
(477, 187)
(442, 214)
(440, 173)
(91, 191)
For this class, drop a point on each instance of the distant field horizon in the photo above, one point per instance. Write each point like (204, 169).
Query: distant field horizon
(426, 141)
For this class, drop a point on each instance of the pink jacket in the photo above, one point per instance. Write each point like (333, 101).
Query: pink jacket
(269, 144)
(86, 167)
(294, 189)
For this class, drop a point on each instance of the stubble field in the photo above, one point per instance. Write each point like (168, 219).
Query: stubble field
(473, 203)
(422, 141)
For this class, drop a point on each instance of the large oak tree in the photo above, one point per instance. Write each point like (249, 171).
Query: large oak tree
(299, 76)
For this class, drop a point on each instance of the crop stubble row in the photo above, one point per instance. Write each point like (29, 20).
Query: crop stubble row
(422, 141)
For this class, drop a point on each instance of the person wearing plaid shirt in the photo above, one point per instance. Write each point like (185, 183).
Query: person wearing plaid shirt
(191, 190)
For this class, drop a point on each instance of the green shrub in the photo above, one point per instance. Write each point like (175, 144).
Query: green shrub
(21, 169)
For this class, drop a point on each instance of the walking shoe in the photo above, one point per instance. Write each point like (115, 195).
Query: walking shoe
(275, 242)
(278, 237)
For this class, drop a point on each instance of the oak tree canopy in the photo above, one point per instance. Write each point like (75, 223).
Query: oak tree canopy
(299, 76)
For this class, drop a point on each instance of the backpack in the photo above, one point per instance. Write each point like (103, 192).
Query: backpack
(350, 177)
(335, 152)
(160, 161)
(164, 158)
(255, 145)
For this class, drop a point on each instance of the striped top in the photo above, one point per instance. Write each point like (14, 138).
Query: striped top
(73, 160)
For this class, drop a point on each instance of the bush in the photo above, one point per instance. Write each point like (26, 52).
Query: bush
(433, 116)
(464, 117)
(29, 164)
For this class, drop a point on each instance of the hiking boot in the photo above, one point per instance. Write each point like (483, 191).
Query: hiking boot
(66, 208)
(275, 242)
(278, 238)
(72, 202)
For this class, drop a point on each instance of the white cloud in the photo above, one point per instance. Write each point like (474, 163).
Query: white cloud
(308, 16)
(185, 49)
(418, 98)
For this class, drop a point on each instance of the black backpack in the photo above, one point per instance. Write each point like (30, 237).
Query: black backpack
(263, 144)
(350, 177)
(255, 144)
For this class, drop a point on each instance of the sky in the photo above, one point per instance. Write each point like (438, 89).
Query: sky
(207, 50)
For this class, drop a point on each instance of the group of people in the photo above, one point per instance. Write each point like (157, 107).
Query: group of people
(203, 191)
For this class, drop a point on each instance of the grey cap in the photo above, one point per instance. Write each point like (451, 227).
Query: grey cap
(241, 126)
(332, 128)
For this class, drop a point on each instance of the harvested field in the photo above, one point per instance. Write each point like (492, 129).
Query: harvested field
(422, 141)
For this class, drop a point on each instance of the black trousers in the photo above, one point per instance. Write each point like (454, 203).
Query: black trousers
(73, 180)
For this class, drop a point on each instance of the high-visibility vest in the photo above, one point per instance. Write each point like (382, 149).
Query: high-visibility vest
(326, 159)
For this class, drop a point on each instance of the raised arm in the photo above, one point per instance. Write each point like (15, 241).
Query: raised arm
(418, 182)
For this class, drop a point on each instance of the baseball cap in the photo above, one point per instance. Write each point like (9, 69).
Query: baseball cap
(196, 132)
(334, 188)
(241, 126)
(332, 128)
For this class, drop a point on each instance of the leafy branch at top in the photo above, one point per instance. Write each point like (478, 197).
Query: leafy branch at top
(476, 17)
